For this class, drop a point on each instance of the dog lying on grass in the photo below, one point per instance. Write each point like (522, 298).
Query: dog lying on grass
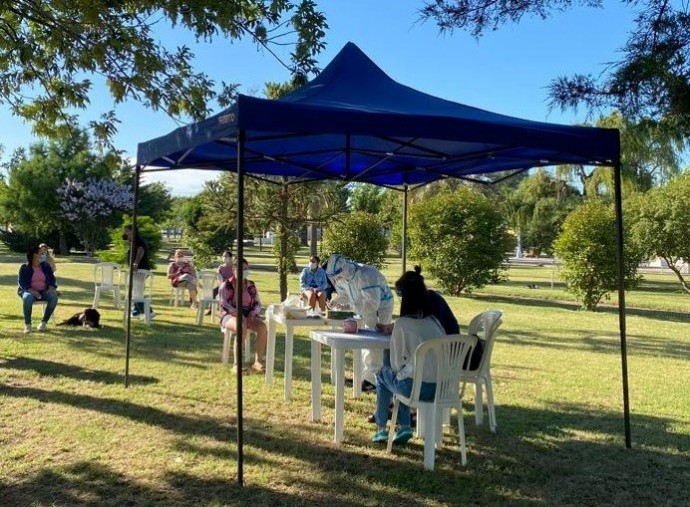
(89, 318)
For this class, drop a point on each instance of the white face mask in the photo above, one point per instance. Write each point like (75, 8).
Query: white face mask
(245, 273)
(227, 259)
(313, 265)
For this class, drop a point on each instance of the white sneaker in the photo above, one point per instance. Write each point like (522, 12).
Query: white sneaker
(27, 328)
(42, 327)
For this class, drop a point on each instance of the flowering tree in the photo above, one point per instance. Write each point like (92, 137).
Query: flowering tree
(91, 206)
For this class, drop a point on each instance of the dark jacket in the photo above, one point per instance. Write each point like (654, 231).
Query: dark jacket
(26, 272)
(443, 313)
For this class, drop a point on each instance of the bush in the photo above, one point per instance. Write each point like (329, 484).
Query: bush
(461, 238)
(148, 230)
(20, 241)
(358, 236)
(587, 248)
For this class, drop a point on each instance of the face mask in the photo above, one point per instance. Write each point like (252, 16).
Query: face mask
(124, 236)
(313, 266)
(245, 273)
(42, 257)
(227, 259)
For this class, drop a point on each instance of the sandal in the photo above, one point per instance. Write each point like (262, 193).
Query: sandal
(402, 435)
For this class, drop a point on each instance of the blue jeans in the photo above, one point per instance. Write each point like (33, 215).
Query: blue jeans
(387, 384)
(28, 301)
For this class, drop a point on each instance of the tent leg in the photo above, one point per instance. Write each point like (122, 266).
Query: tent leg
(132, 256)
(620, 261)
(240, 281)
(404, 230)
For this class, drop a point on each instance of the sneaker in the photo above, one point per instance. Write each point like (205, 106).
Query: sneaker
(42, 327)
(402, 435)
(257, 366)
(27, 329)
(194, 306)
(380, 436)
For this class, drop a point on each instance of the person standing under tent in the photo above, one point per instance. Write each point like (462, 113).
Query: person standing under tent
(141, 261)
(370, 297)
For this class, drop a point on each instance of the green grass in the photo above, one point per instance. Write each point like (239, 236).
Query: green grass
(70, 434)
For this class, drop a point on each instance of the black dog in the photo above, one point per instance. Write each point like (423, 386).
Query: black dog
(89, 317)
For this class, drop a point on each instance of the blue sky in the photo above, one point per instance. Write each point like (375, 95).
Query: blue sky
(506, 71)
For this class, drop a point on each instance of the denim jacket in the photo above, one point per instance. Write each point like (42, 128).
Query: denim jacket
(26, 272)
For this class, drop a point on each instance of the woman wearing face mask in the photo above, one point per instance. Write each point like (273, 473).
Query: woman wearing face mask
(251, 307)
(44, 255)
(225, 271)
(313, 284)
(36, 283)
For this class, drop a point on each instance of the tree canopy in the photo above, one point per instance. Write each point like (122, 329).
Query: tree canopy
(50, 53)
(651, 79)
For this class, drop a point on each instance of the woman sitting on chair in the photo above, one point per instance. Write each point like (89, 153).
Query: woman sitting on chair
(183, 275)
(415, 325)
(251, 307)
(37, 283)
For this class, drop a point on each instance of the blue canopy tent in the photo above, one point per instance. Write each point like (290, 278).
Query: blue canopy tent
(354, 123)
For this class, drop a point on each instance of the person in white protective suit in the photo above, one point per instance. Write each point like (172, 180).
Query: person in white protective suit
(370, 297)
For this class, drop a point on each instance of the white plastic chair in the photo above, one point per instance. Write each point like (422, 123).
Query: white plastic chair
(104, 278)
(485, 325)
(142, 292)
(207, 280)
(228, 345)
(450, 353)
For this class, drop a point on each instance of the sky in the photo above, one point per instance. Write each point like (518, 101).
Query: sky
(506, 71)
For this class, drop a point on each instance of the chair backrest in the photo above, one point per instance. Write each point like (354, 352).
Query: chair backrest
(142, 284)
(450, 353)
(485, 325)
(207, 279)
(107, 271)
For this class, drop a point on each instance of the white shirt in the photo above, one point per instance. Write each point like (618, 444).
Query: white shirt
(408, 333)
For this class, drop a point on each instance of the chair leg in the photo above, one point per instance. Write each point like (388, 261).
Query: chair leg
(96, 297)
(247, 349)
(490, 404)
(116, 297)
(478, 404)
(430, 438)
(391, 428)
(227, 338)
(147, 311)
(461, 433)
(200, 314)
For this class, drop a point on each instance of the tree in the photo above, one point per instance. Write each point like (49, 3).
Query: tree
(367, 197)
(651, 154)
(587, 248)
(148, 229)
(461, 238)
(31, 202)
(52, 50)
(652, 79)
(92, 206)
(660, 221)
(358, 236)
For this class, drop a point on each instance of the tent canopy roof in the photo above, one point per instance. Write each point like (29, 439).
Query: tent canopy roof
(353, 122)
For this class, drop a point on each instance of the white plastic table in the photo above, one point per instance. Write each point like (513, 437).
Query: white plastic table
(339, 342)
(274, 317)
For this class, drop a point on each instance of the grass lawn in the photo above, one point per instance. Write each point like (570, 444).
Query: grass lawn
(70, 434)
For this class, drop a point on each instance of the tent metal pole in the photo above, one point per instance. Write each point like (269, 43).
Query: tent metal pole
(620, 261)
(238, 290)
(130, 275)
(404, 229)
(348, 157)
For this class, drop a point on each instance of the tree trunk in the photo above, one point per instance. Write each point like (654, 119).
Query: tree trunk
(283, 233)
(62, 247)
(313, 229)
(672, 266)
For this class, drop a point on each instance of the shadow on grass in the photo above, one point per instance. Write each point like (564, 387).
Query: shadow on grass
(52, 369)
(563, 305)
(539, 457)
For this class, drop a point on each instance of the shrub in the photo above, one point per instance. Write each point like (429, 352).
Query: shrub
(461, 238)
(358, 236)
(119, 247)
(587, 248)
